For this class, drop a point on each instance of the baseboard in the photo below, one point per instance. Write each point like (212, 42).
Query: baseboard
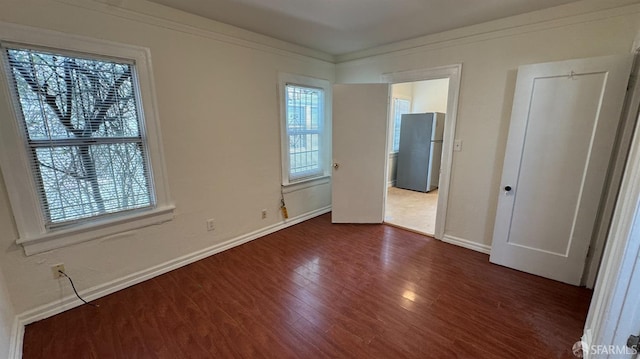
(51, 309)
(587, 341)
(482, 248)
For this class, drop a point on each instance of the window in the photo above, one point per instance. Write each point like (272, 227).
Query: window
(400, 107)
(86, 159)
(304, 128)
(82, 128)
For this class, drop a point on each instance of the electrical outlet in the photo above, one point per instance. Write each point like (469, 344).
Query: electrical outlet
(211, 224)
(264, 213)
(56, 270)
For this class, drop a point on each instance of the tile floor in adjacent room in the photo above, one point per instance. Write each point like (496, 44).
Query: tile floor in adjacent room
(412, 210)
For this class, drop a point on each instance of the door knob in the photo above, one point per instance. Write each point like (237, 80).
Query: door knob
(336, 165)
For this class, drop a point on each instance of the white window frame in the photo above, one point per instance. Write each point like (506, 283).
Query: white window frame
(15, 162)
(285, 79)
(393, 120)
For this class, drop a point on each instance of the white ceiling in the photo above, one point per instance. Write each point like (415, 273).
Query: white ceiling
(342, 26)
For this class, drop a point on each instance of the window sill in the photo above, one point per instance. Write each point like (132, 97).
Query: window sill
(307, 183)
(98, 229)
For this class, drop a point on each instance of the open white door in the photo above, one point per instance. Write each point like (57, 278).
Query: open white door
(360, 124)
(563, 126)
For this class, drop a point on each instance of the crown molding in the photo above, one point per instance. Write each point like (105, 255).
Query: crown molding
(162, 16)
(559, 16)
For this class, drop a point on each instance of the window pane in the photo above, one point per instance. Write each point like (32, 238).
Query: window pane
(84, 181)
(400, 107)
(304, 128)
(83, 124)
(304, 157)
(69, 97)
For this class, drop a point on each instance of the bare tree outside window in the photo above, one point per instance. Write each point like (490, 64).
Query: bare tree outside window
(81, 118)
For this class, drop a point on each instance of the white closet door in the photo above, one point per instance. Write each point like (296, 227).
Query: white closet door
(563, 126)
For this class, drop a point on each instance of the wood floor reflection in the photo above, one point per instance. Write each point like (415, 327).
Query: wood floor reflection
(319, 290)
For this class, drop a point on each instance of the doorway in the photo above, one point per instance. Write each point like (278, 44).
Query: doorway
(415, 153)
(453, 74)
(359, 168)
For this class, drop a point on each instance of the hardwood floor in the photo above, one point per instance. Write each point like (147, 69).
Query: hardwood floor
(319, 290)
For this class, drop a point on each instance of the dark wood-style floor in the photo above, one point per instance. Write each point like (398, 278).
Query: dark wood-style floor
(319, 290)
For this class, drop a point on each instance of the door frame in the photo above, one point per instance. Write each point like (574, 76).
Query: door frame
(616, 170)
(454, 74)
(621, 249)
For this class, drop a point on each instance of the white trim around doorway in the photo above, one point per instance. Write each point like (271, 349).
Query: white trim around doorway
(454, 74)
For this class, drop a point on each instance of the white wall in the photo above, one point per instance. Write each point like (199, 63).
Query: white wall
(490, 55)
(430, 96)
(218, 110)
(402, 90)
(7, 316)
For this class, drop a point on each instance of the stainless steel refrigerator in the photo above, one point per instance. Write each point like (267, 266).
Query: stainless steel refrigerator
(420, 151)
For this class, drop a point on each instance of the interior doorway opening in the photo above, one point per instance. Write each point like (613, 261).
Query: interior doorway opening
(453, 74)
(415, 153)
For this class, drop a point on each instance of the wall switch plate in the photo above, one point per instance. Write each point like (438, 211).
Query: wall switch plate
(457, 145)
(55, 270)
(211, 224)
(264, 213)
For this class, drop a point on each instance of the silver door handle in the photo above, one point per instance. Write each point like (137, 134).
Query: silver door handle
(336, 165)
